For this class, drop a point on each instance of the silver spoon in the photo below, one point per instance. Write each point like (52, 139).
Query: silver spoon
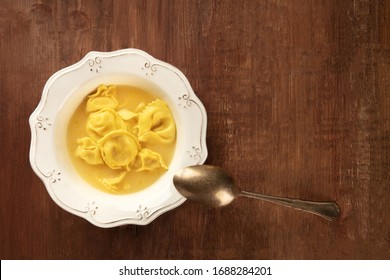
(213, 186)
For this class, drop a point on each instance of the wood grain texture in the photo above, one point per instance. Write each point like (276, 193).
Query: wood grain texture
(298, 102)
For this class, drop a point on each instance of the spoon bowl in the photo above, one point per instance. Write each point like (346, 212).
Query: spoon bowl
(206, 184)
(213, 186)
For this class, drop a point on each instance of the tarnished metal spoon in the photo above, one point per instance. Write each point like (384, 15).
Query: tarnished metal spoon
(213, 186)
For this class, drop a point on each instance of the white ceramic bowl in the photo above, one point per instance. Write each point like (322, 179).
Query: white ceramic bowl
(61, 95)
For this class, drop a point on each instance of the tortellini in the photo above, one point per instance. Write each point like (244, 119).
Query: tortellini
(113, 183)
(104, 97)
(121, 138)
(119, 149)
(104, 121)
(89, 151)
(148, 160)
(156, 123)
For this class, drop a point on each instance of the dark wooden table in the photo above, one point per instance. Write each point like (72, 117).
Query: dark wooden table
(298, 102)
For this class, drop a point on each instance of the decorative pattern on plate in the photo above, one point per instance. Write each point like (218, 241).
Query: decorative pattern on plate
(95, 64)
(47, 121)
(91, 208)
(149, 68)
(195, 153)
(53, 176)
(185, 101)
(43, 122)
(142, 212)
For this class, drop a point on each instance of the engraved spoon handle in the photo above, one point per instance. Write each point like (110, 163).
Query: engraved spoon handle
(328, 210)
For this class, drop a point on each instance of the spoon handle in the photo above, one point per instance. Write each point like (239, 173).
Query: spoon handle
(327, 210)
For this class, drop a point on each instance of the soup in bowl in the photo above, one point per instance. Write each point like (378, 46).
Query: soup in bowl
(111, 131)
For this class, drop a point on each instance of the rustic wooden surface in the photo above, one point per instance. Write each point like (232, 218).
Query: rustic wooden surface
(298, 102)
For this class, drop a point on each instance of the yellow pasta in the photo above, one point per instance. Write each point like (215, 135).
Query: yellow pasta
(104, 121)
(113, 184)
(121, 139)
(119, 149)
(156, 123)
(146, 159)
(89, 151)
(104, 97)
